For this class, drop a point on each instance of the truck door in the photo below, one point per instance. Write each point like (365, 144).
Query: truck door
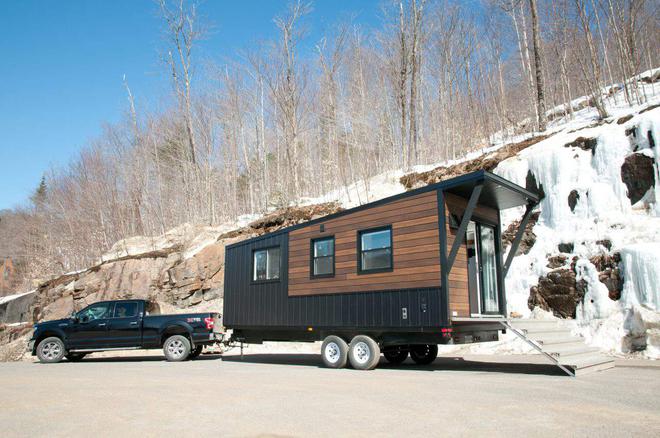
(90, 329)
(124, 328)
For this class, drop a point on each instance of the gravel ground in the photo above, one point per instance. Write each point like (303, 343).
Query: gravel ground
(291, 395)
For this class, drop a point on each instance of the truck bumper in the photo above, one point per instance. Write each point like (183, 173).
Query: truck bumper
(30, 346)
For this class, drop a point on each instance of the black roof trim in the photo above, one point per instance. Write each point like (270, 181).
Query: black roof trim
(473, 177)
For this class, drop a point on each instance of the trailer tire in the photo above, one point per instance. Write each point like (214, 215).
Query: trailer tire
(363, 353)
(396, 354)
(334, 352)
(423, 354)
(176, 348)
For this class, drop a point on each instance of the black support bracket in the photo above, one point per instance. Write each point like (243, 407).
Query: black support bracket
(460, 234)
(444, 273)
(517, 239)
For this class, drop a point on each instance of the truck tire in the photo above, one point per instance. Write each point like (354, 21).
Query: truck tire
(51, 350)
(176, 348)
(363, 353)
(396, 354)
(75, 357)
(423, 354)
(334, 352)
(196, 352)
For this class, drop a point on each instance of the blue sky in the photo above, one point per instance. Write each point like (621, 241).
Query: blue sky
(62, 64)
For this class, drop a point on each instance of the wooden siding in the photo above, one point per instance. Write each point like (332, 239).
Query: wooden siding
(416, 254)
(459, 300)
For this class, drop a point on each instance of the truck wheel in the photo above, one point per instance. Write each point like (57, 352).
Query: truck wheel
(424, 354)
(396, 354)
(364, 353)
(176, 348)
(196, 352)
(334, 352)
(51, 350)
(75, 357)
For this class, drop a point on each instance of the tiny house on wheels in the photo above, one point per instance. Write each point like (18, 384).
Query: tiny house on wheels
(397, 276)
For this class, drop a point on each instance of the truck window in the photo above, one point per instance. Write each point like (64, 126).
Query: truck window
(126, 310)
(153, 308)
(95, 311)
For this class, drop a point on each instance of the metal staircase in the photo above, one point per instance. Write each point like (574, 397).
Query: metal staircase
(559, 345)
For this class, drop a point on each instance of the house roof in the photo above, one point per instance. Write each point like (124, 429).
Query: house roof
(497, 192)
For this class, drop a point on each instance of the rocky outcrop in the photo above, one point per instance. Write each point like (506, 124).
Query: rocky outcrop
(558, 292)
(638, 174)
(16, 309)
(584, 143)
(183, 268)
(486, 162)
(528, 238)
(609, 273)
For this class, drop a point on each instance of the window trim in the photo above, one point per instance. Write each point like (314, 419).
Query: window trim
(361, 271)
(274, 280)
(313, 276)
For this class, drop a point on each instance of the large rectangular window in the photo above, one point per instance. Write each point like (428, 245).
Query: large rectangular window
(375, 252)
(266, 264)
(323, 257)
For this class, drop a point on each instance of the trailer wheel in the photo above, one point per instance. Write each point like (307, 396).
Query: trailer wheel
(424, 354)
(334, 352)
(176, 348)
(396, 354)
(364, 353)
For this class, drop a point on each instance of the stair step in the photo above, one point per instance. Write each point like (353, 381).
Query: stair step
(593, 368)
(550, 335)
(547, 332)
(569, 349)
(554, 340)
(528, 325)
(585, 361)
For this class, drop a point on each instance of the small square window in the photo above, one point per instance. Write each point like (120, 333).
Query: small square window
(266, 264)
(323, 257)
(375, 251)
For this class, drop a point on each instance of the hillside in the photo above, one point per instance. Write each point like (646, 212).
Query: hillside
(591, 253)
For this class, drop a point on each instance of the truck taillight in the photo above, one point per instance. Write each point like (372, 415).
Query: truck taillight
(209, 323)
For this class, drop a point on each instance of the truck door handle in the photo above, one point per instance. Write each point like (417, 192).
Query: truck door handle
(102, 324)
(134, 323)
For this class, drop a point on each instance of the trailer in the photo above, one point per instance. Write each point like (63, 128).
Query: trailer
(397, 277)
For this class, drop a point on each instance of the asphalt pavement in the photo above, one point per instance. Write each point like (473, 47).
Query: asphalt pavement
(292, 395)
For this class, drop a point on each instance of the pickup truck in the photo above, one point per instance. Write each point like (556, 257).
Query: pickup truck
(123, 325)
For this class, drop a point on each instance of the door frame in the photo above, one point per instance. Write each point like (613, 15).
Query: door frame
(478, 221)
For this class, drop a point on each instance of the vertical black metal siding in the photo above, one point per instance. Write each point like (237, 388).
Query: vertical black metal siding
(247, 304)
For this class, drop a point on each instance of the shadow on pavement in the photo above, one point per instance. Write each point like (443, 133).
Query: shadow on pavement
(203, 357)
(441, 364)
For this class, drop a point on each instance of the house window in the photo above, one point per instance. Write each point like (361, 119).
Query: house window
(323, 257)
(375, 252)
(266, 264)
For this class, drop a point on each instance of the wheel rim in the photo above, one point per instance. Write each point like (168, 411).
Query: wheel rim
(423, 352)
(176, 348)
(51, 350)
(361, 352)
(332, 352)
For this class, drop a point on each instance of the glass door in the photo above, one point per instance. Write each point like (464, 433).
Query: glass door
(488, 270)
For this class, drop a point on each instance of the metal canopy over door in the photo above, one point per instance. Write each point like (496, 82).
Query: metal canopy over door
(482, 269)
